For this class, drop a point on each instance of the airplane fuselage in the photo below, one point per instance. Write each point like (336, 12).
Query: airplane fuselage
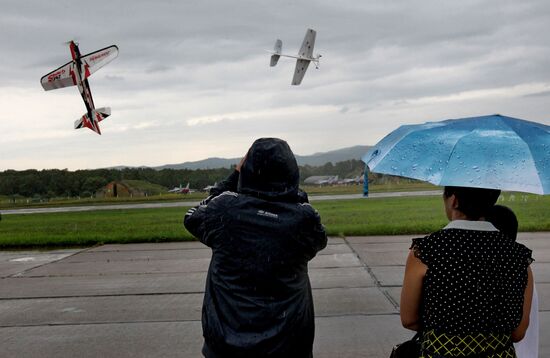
(298, 57)
(81, 81)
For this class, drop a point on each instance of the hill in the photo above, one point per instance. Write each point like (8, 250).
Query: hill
(316, 159)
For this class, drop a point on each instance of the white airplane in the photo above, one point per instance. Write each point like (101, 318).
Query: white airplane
(305, 56)
(76, 73)
(208, 187)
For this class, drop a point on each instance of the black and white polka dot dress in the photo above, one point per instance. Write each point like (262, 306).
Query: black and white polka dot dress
(475, 281)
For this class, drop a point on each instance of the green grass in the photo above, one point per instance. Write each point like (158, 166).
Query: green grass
(94, 227)
(5, 203)
(382, 216)
(418, 215)
(373, 188)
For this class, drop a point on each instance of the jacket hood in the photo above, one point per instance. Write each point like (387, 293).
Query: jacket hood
(270, 171)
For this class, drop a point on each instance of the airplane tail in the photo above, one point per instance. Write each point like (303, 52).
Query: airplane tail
(276, 52)
(103, 113)
(92, 123)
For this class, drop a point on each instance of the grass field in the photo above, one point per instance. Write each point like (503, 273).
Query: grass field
(6, 203)
(383, 216)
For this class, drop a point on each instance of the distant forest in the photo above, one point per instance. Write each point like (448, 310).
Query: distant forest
(50, 183)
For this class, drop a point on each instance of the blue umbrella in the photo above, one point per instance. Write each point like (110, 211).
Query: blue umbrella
(495, 152)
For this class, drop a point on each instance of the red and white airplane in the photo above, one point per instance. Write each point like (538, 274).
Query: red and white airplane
(76, 73)
(182, 190)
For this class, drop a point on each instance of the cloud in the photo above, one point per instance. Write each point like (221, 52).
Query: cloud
(114, 78)
(158, 68)
(192, 79)
(538, 94)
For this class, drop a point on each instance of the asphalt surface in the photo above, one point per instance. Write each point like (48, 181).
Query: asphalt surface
(63, 209)
(144, 300)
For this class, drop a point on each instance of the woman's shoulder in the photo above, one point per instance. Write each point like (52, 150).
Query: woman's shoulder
(522, 252)
(429, 239)
(424, 248)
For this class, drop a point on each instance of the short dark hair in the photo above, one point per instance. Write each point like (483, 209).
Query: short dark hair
(473, 202)
(504, 219)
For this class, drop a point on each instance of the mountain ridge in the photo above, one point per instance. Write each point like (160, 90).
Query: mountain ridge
(315, 159)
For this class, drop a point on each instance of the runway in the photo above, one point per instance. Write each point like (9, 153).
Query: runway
(63, 209)
(144, 300)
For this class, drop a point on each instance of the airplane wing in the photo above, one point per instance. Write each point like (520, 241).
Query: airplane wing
(64, 76)
(59, 78)
(300, 71)
(97, 59)
(307, 45)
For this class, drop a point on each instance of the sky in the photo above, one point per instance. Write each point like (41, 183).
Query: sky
(192, 79)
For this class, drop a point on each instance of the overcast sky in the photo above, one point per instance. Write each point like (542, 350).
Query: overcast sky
(192, 79)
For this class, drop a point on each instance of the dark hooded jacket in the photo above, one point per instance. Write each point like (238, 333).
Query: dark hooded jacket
(258, 300)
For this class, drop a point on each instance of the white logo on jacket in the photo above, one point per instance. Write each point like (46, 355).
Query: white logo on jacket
(267, 214)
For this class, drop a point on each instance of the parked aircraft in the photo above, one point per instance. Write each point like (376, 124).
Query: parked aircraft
(76, 73)
(304, 57)
(208, 187)
(181, 190)
(358, 179)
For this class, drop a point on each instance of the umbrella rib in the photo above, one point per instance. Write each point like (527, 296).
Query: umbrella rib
(450, 154)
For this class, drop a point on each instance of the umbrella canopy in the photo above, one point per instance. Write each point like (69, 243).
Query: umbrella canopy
(496, 152)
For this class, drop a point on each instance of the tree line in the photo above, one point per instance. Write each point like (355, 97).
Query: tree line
(49, 183)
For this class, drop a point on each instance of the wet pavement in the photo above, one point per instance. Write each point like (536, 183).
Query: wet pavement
(144, 300)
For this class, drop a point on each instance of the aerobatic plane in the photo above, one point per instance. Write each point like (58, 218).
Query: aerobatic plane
(76, 73)
(304, 57)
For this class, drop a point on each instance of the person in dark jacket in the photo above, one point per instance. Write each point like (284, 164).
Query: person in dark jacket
(262, 233)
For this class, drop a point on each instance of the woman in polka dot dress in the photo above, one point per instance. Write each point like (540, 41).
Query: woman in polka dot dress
(467, 287)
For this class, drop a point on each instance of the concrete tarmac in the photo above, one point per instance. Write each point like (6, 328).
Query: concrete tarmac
(144, 300)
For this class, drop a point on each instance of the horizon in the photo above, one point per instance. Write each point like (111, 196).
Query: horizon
(179, 163)
(196, 83)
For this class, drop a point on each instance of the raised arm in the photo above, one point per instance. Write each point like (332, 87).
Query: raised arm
(312, 233)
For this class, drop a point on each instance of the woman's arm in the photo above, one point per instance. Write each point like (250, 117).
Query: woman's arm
(411, 294)
(519, 332)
